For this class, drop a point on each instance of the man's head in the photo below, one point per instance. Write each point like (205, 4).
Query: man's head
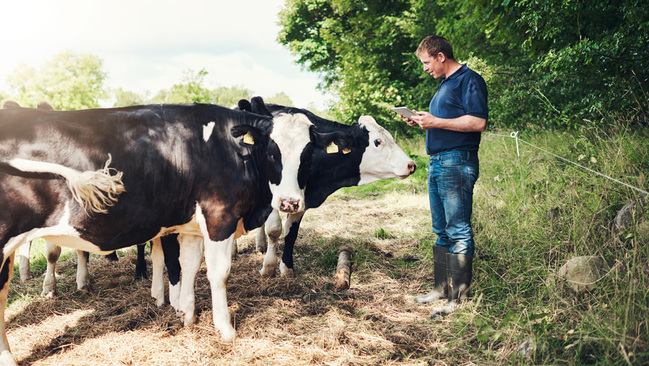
(433, 45)
(436, 53)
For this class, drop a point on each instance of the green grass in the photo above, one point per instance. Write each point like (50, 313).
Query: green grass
(533, 213)
(526, 232)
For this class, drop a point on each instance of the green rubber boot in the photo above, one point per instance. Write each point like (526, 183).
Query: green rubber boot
(440, 290)
(459, 274)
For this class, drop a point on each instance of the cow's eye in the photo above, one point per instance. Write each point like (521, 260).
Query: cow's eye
(378, 142)
(270, 156)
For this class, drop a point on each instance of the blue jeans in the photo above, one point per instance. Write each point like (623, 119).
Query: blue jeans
(451, 177)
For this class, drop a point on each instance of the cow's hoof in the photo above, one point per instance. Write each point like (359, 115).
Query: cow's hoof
(49, 294)
(285, 271)
(228, 334)
(187, 319)
(158, 301)
(84, 287)
(267, 271)
(6, 359)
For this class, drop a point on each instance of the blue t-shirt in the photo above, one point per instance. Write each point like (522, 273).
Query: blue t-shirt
(462, 93)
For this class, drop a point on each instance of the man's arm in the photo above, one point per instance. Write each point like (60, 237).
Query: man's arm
(466, 123)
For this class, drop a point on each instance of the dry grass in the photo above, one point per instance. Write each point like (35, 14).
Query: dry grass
(298, 321)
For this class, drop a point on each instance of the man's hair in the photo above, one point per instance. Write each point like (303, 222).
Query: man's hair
(435, 44)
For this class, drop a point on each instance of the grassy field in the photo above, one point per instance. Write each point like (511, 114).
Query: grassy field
(531, 214)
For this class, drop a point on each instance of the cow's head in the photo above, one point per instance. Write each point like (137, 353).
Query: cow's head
(289, 154)
(383, 158)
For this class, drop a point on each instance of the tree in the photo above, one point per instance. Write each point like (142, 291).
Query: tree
(67, 81)
(554, 62)
(280, 98)
(190, 90)
(126, 98)
(3, 96)
(362, 48)
(229, 96)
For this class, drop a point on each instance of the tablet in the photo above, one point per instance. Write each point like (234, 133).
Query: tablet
(404, 111)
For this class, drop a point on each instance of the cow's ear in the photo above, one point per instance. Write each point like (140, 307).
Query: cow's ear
(250, 135)
(332, 142)
(367, 121)
(10, 104)
(258, 106)
(244, 105)
(45, 105)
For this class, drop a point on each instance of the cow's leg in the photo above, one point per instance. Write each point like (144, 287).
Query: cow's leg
(158, 264)
(53, 252)
(83, 276)
(260, 239)
(274, 225)
(140, 265)
(291, 228)
(171, 250)
(23, 262)
(219, 261)
(6, 358)
(234, 249)
(112, 257)
(191, 254)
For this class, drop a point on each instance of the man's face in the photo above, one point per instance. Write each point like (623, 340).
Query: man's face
(433, 65)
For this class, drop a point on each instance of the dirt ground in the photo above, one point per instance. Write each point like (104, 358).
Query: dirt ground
(279, 321)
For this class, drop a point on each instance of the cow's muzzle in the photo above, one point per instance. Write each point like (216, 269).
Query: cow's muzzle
(289, 205)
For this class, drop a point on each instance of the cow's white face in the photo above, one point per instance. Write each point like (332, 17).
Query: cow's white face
(383, 158)
(290, 147)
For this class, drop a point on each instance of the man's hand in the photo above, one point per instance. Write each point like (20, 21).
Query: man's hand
(409, 121)
(425, 120)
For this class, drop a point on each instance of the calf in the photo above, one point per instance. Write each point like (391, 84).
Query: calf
(104, 179)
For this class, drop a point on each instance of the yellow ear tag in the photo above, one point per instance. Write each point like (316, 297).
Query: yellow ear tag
(346, 151)
(332, 148)
(247, 139)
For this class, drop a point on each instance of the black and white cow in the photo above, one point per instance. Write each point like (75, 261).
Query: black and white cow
(371, 155)
(53, 252)
(103, 179)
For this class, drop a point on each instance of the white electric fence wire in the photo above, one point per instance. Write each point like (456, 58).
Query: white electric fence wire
(514, 135)
(520, 167)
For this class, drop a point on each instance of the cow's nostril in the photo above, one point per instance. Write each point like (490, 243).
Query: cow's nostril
(412, 167)
(289, 205)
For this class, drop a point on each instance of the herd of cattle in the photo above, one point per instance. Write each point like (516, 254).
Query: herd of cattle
(189, 178)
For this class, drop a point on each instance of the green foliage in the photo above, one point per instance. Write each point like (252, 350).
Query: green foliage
(280, 98)
(67, 81)
(190, 90)
(125, 98)
(550, 63)
(229, 96)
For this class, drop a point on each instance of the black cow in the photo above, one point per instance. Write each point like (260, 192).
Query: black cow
(104, 179)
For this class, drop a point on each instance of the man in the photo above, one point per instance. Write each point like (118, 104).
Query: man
(457, 115)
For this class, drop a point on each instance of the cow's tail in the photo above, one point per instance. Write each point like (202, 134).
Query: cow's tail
(94, 190)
